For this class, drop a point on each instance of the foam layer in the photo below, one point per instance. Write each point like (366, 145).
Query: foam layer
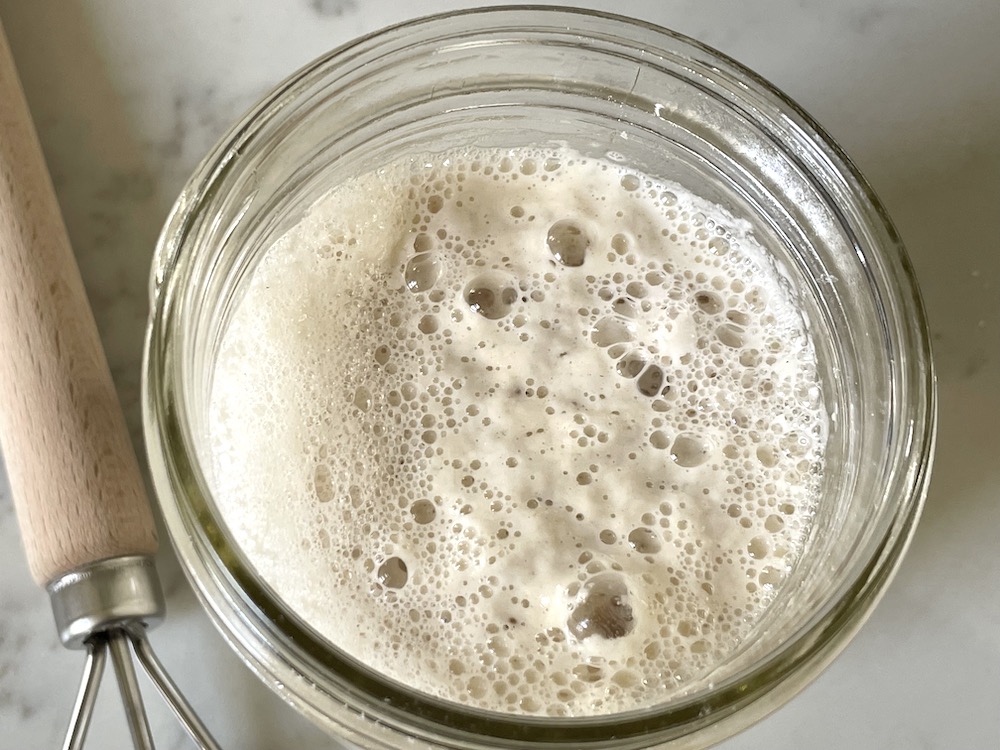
(523, 429)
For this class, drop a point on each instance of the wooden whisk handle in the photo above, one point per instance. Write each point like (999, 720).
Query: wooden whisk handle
(76, 483)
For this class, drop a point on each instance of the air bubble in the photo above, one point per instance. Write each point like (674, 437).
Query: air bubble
(610, 330)
(689, 450)
(756, 298)
(428, 324)
(568, 242)
(421, 272)
(602, 609)
(363, 398)
(738, 317)
(636, 289)
(758, 548)
(619, 243)
(630, 365)
(658, 439)
(709, 302)
(767, 456)
(630, 182)
(491, 295)
(588, 673)
(775, 523)
(625, 678)
(771, 576)
(644, 541)
(718, 246)
(323, 483)
(423, 511)
(617, 350)
(422, 243)
(625, 307)
(393, 573)
(477, 687)
(796, 443)
(731, 335)
(529, 704)
(650, 382)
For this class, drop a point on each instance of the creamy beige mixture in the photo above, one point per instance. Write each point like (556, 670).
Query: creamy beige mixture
(521, 429)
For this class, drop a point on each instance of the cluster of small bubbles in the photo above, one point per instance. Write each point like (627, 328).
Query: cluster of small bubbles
(578, 393)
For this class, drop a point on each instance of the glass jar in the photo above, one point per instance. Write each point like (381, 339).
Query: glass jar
(612, 88)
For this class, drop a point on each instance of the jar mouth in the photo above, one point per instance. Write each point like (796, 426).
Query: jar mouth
(866, 281)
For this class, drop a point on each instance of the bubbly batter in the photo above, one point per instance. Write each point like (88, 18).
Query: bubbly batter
(521, 429)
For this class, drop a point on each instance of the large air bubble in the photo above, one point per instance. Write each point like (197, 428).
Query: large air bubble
(603, 609)
(422, 272)
(568, 242)
(491, 295)
(393, 573)
(611, 330)
(690, 450)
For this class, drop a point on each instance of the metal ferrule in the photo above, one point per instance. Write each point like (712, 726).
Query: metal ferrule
(103, 595)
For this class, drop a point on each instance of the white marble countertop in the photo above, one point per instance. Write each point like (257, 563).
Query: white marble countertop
(127, 96)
